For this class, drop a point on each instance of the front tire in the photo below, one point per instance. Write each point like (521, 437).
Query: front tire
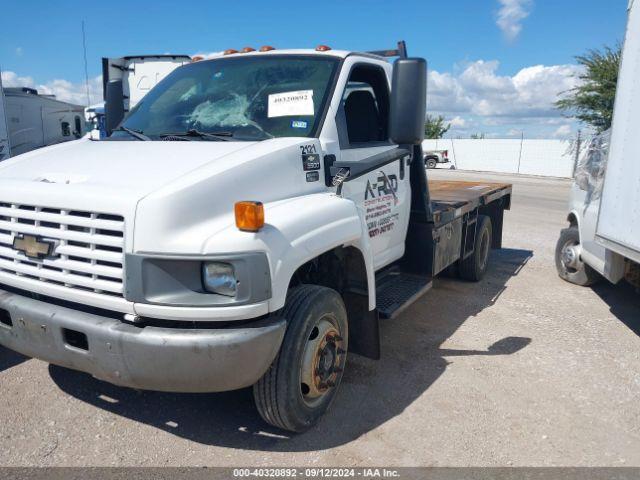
(302, 381)
(569, 265)
(431, 163)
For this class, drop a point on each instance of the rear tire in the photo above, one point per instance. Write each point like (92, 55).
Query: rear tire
(569, 265)
(474, 267)
(302, 381)
(431, 163)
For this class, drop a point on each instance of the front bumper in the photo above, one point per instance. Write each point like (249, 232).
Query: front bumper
(147, 358)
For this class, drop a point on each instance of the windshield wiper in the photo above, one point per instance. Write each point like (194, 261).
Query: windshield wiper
(221, 136)
(134, 133)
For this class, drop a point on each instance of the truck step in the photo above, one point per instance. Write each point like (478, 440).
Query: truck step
(397, 290)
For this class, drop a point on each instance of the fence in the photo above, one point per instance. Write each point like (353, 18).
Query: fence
(552, 158)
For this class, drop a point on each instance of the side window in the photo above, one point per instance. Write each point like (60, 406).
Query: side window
(66, 130)
(78, 125)
(365, 105)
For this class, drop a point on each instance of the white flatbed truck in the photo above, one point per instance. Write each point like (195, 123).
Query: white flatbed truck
(247, 224)
(603, 237)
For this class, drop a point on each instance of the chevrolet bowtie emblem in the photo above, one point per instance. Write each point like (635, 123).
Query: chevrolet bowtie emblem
(33, 247)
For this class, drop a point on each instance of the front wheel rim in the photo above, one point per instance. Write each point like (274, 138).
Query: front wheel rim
(322, 361)
(570, 256)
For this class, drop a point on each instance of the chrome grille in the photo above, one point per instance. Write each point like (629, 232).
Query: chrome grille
(89, 251)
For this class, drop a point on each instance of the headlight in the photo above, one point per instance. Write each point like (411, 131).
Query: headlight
(220, 278)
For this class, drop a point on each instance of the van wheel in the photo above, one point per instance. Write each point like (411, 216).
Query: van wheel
(431, 163)
(568, 262)
(475, 265)
(302, 381)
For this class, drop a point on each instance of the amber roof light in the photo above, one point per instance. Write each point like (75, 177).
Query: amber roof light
(322, 48)
(247, 50)
(266, 48)
(230, 51)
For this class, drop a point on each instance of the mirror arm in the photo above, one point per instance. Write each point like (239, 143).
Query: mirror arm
(345, 171)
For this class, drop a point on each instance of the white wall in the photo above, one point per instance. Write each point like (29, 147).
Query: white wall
(550, 158)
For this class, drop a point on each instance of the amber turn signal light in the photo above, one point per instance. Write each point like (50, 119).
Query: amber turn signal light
(249, 216)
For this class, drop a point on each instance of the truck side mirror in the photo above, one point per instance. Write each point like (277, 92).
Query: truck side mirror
(408, 101)
(113, 105)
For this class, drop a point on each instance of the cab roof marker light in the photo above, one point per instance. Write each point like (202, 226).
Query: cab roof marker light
(266, 48)
(322, 48)
(247, 50)
(196, 58)
(230, 51)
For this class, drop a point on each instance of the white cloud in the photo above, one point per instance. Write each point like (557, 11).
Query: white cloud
(19, 51)
(207, 55)
(563, 131)
(486, 100)
(510, 16)
(457, 122)
(62, 89)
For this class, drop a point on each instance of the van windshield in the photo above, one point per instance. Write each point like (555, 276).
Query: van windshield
(247, 98)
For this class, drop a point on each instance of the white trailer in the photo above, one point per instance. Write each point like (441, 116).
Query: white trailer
(34, 120)
(603, 239)
(618, 226)
(125, 80)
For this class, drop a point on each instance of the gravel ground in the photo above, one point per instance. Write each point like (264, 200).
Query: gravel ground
(521, 369)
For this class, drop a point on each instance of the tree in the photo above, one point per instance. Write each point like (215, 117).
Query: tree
(592, 100)
(434, 126)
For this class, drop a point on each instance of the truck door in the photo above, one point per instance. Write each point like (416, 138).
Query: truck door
(383, 195)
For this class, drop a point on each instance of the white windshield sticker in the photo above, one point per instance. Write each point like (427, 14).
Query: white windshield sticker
(291, 103)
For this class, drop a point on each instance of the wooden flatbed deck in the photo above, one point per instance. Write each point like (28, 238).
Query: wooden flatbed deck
(459, 197)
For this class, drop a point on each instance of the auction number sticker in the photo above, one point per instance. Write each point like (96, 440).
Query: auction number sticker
(288, 104)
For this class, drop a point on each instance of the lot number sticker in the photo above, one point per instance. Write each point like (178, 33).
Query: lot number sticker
(291, 103)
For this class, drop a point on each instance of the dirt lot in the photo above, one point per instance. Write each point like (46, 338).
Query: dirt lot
(522, 369)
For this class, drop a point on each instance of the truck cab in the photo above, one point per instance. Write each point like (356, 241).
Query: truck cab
(248, 223)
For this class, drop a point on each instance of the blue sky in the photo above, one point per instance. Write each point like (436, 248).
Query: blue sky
(481, 52)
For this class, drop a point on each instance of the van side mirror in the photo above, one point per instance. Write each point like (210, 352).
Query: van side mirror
(113, 105)
(408, 101)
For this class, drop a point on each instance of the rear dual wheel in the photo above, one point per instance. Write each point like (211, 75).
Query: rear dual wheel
(302, 381)
(474, 267)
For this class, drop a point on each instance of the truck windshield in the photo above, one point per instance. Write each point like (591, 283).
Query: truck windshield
(239, 98)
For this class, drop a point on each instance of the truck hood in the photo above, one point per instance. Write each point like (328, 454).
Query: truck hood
(135, 168)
